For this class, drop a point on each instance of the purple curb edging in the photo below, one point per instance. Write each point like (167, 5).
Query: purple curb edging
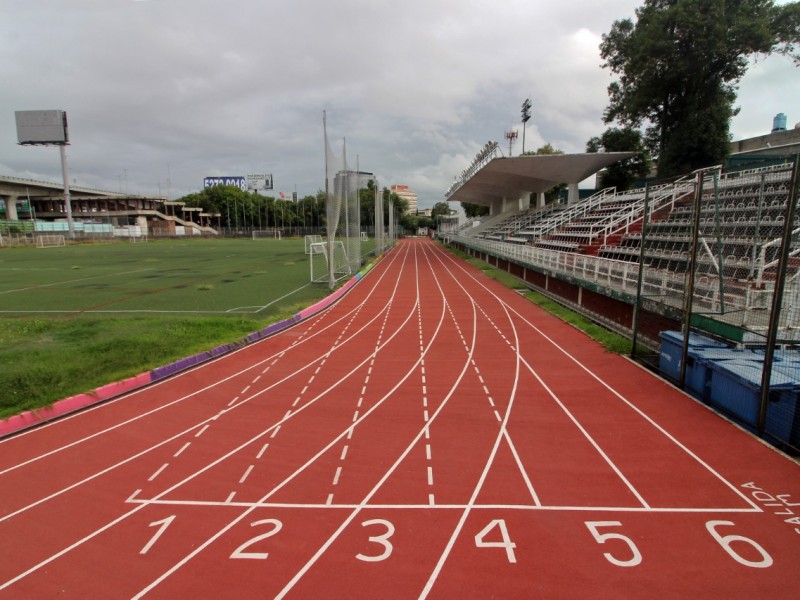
(61, 408)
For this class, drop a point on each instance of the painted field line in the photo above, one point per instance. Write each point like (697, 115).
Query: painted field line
(460, 507)
(298, 471)
(652, 422)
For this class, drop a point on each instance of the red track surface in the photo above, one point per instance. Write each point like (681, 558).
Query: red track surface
(431, 435)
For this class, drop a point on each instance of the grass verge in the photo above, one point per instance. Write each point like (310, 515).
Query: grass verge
(45, 360)
(613, 342)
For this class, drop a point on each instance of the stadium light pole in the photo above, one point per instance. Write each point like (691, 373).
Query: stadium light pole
(526, 115)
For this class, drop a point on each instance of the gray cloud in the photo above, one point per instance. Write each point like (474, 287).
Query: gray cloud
(183, 89)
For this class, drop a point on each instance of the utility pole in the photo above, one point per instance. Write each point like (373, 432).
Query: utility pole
(510, 136)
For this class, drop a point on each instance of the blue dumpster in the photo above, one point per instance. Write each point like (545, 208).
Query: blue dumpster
(735, 388)
(672, 347)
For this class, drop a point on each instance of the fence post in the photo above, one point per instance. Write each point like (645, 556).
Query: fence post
(689, 291)
(637, 307)
(777, 295)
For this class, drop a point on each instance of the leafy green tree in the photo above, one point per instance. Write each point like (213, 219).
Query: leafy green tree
(554, 193)
(622, 175)
(474, 210)
(679, 65)
(440, 209)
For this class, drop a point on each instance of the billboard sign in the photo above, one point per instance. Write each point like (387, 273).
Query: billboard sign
(237, 181)
(288, 196)
(42, 127)
(259, 183)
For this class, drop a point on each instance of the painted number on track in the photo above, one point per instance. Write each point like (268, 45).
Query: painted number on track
(164, 524)
(602, 538)
(726, 540)
(382, 540)
(241, 551)
(505, 541)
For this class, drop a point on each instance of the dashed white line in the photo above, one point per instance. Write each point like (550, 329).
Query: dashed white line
(246, 474)
(263, 449)
(157, 473)
(184, 447)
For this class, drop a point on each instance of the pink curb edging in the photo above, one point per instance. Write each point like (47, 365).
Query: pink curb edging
(63, 407)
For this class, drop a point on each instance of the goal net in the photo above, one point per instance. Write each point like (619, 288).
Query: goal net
(50, 241)
(312, 239)
(264, 234)
(342, 211)
(321, 261)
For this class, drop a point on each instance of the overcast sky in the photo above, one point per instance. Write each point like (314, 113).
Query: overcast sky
(162, 93)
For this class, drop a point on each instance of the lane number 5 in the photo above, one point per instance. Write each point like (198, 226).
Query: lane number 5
(602, 538)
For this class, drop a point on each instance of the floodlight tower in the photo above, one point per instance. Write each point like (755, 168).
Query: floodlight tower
(48, 128)
(526, 115)
(510, 136)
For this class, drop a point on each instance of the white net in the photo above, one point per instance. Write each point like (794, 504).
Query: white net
(328, 258)
(267, 234)
(50, 241)
(342, 205)
(312, 239)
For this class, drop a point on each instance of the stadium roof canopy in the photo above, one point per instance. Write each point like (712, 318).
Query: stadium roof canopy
(513, 177)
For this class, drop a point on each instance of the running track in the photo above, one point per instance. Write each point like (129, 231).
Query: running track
(432, 435)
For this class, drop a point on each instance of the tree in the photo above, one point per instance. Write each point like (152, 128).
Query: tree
(474, 210)
(554, 193)
(679, 66)
(623, 174)
(440, 209)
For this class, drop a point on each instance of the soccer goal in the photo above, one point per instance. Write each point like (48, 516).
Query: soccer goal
(50, 241)
(312, 239)
(264, 234)
(320, 261)
(364, 236)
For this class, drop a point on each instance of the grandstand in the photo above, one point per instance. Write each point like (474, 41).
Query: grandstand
(704, 250)
(39, 207)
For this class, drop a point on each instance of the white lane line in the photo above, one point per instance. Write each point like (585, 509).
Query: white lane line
(230, 498)
(337, 475)
(184, 447)
(263, 449)
(246, 474)
(428, 451)
(123, 517)
(202, 430)
(344, 453)
(275, 431)
(158, 472)
(430, 475)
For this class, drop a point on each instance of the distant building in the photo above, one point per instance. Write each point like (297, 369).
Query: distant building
(411, 197)
(780, 142)
(355, 179)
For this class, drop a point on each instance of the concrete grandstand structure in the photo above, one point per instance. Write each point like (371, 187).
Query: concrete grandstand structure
(715, 252)
(27, 202)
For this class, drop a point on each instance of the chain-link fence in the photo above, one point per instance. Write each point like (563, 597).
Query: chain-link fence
(722, 259)
(705, 277)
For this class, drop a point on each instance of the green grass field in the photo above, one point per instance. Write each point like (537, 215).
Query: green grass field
(76, 317)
